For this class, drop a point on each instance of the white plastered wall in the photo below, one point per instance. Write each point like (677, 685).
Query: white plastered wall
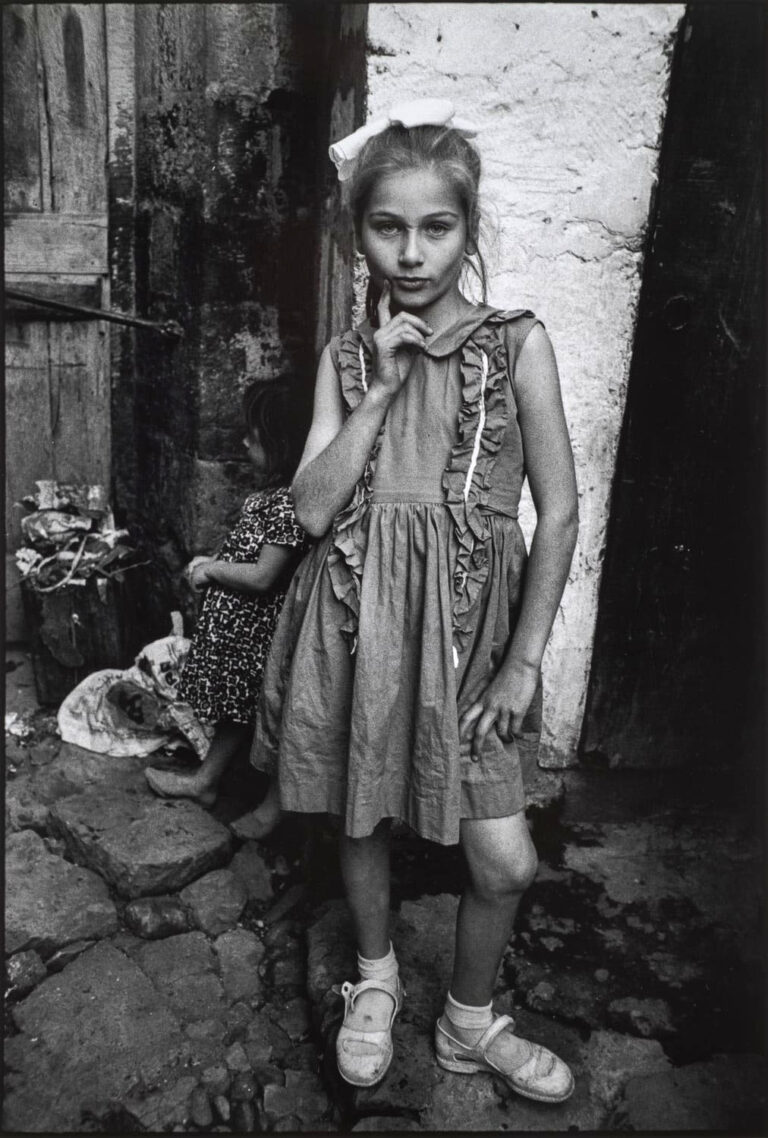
(571, 98)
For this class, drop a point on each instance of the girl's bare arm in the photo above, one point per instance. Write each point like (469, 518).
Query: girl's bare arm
(336, 451)
(260, 576)
(552, 480)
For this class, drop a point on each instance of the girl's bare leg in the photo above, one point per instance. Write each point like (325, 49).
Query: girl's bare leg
(365, 871)
(502, 864)
(203, 783)
(267, 814)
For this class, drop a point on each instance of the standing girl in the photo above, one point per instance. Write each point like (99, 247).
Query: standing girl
(244, 586)
(408, 652)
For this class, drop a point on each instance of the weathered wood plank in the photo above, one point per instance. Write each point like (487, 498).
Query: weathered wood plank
(56, 243)
(28, 439)
(57, 388)
(23, 186)
(15, 621)
(121, 183)
(58, 422)
(79, 398)
(73, 63)
(72, 633)
(57, 409)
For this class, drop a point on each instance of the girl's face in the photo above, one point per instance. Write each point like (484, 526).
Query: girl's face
(414, 234)
(256, 453)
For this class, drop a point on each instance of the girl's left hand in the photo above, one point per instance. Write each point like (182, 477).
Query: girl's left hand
(502, 704)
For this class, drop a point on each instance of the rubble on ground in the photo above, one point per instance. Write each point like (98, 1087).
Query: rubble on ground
(166, 972)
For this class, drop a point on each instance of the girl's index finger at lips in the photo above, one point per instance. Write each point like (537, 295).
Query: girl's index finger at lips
(382, 307)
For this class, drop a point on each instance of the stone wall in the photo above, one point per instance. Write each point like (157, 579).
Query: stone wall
(571, 98)
(230, 102)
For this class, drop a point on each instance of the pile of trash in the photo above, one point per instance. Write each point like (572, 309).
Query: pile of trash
(71, 538)
(136, 711)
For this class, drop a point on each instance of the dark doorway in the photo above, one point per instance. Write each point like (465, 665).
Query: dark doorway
(678, 660)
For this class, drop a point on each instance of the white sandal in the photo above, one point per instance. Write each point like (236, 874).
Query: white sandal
(542, 1076)
(364, 1057)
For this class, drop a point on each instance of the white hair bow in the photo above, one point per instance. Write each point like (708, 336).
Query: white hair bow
(412, 112)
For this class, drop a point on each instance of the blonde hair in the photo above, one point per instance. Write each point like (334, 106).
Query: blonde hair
(438, 148)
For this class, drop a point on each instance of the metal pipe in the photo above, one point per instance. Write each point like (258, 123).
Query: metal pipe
(164, 327)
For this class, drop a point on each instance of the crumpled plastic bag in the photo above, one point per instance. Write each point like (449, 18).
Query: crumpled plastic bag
(137, 710)
(54, 527)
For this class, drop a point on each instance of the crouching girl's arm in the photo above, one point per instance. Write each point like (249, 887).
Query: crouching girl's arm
(260, 576)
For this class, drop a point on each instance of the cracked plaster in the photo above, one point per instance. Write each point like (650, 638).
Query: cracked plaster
(571, 99)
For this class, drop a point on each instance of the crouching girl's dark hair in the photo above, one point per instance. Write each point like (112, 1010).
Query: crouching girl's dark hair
(277, 410)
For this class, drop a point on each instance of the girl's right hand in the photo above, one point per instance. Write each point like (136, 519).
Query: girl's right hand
(394, 343)
(196, 574)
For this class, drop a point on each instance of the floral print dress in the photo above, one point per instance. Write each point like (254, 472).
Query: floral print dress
(222, 676)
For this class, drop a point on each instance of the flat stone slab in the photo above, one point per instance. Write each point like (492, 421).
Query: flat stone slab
(72, 770)
(216, 900)
(645, 1017)
(654, 863)
(303, 1097)
(183, 969)
(728, 1093)
(612, 1059)
(93, 1033)
(240, 953)
(48, 901)
(142, 845)
(165, 1109)
(249, 866)
(23, 972)
(574, 995)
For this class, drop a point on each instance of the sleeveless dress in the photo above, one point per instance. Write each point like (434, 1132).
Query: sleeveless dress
(223, 671)
(405, 609)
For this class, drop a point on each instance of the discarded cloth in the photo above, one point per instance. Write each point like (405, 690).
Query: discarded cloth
(135, 711)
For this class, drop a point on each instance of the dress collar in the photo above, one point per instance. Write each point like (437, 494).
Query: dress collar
(451, 338)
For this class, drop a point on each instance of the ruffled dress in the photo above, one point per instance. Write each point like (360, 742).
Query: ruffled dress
(405, 609)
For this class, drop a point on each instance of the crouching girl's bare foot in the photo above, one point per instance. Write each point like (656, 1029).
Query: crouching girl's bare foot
(258, 823)
(172, 784)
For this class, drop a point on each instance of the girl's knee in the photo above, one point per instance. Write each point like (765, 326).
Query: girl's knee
(495, 880)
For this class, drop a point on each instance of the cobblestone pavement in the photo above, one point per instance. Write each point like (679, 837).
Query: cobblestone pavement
(166, 973)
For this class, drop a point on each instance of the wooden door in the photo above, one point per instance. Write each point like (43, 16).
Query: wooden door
(677, 666)
(57, 371)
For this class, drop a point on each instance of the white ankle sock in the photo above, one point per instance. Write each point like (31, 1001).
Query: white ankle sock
(384, 968)
(470, 1022)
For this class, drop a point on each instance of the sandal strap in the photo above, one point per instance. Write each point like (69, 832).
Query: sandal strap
(350, 991)
(486, 1039)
